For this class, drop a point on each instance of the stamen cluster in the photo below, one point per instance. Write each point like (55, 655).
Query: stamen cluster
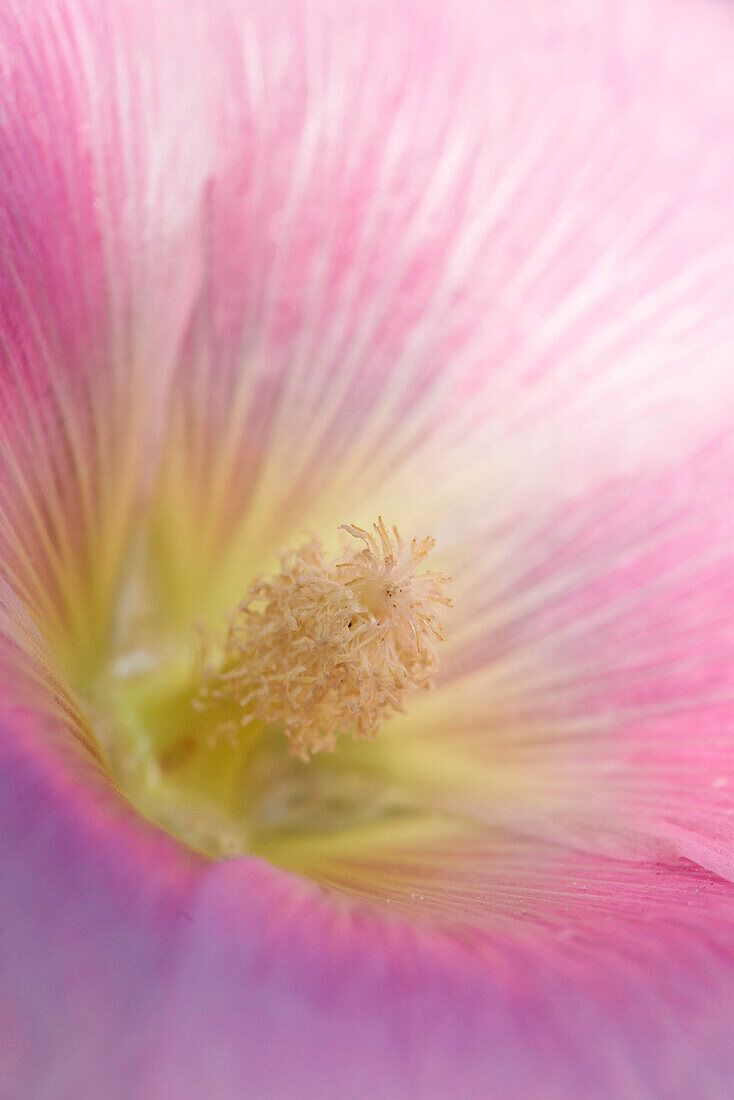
(329, 647)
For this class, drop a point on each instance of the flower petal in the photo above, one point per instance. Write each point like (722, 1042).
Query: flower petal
(95, 195)
(596, 975)
(329, 298)
(577, 303)
(590, 694)
(83, 890)
(495, 267)
(189, 981)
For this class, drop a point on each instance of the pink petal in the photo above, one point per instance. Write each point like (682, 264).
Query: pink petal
(598, 978)
(592, 684)
(84, 892)
(97, 191)
(529, 357)
(497, 268)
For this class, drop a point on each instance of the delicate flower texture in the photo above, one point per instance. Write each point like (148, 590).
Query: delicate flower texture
(327, 648)
(267, 269)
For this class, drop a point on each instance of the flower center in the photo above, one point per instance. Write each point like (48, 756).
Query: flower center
(327, 649)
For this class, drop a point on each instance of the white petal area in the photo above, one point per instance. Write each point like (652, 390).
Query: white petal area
(513, 289)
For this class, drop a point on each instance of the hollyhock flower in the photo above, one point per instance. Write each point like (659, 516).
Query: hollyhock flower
(267, 270)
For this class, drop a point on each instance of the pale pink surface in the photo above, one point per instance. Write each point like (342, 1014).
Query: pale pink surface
(346, 252)
(96, 190)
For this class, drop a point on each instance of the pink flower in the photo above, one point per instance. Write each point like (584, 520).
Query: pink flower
(275, 267)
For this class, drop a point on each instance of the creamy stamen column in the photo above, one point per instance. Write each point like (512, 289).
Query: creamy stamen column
(329, 647)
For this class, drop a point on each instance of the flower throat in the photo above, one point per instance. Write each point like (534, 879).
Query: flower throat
(326, 649)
